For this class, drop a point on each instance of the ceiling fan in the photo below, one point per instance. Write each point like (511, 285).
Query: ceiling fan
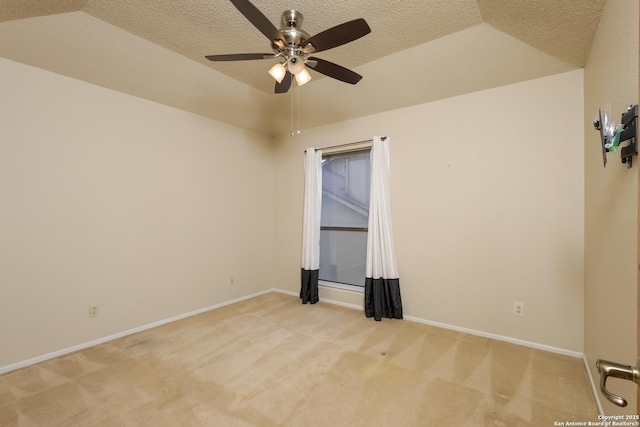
(294, 47)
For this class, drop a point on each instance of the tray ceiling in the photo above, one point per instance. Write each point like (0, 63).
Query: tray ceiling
(418, 51)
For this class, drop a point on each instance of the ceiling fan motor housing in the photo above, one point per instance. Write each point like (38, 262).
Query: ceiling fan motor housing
(291, 22)
(291, 18)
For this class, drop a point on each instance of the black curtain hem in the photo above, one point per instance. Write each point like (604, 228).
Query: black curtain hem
(382, 298)
(309, 289)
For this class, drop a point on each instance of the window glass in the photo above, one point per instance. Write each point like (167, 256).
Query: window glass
(345, 216)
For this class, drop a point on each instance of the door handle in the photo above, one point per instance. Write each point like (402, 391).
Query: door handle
(611, 369)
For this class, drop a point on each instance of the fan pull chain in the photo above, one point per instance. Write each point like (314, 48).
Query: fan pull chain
(297, 113)
(291, 108)
(298, 96)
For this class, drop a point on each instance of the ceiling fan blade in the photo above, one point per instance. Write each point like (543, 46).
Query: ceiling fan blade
(334, 70)
(240, 56)
(339, 35)
(284, 86)
(259, 20)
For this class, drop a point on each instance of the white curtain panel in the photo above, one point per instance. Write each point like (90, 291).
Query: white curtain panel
(382, 284)
(311, 225)
(381, 258)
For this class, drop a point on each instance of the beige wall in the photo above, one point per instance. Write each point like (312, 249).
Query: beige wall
(499, 196)
(611, 201)
(108, 199)
(487, 193)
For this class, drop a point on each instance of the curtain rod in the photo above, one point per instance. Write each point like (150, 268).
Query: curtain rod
(348, 144)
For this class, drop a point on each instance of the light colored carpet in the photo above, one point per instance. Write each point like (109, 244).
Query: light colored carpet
(271, 361)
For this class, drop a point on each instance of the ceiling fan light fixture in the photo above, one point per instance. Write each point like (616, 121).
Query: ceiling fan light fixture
(303, 77)
(295, 64)
(278, 72)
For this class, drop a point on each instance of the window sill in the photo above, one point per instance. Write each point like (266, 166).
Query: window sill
(342, 286)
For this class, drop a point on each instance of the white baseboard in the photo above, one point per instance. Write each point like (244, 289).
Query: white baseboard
(33, 361)
(343, 304)
(483, 334)
(594, 389)
(282, 291)
(45, 357)
(327, 300)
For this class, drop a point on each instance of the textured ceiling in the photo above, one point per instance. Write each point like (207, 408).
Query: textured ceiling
(418, 51)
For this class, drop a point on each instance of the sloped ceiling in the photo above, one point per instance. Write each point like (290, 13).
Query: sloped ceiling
(418, 51)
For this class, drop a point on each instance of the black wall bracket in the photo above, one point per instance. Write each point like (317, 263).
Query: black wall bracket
(628, 131)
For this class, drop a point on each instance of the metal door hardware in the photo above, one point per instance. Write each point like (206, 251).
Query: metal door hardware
(611, 369)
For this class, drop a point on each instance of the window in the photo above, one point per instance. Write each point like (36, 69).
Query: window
(345, 217)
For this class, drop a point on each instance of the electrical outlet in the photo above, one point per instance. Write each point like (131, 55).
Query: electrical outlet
(276, 275)
(232, 281)
(518, 309)
(94, 311)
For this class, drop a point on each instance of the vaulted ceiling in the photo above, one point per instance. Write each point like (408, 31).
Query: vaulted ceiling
(418, 51)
